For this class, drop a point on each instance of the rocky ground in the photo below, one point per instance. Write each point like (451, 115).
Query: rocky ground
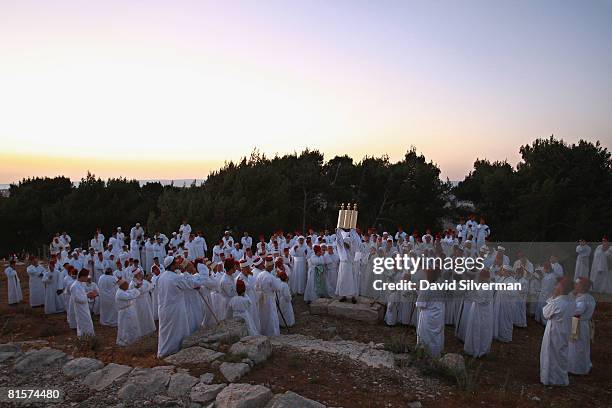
(325, 360)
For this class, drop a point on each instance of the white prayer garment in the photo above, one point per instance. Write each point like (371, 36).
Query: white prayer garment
(70, 317)
(549, 281)
(300, 254)
(580, 344)
(316, 284)
(193, 302)
(583, 252)
(520, 310)
(128, 326)
(554, 352)
(479, 332)
(347, 246)
(267, 286)
(225, 291)
(80, 305)
(249, 283)
(173, 325)
(332, 262)
(185, 231)
(52, 279)
(239, 308)
(600, 274)
(143, 307)
(13, 286)
(108, 309)
(503, 311)
(482, 232)
(207, 285)
(285, 305)
(247, 242)
(135, 250)
(430, 329)
(37, 288)
(94, 303)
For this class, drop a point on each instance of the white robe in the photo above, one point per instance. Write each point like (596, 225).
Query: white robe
(310, 293)
(14, 286)
(332, 262)
(346, 286)
(580, 348)
(239, 308)
(601, 276)
(298, 281)
(554, 351)
(267, 286)
(286, 306)
(173, 325)
(207, 286)
(430, 329)
(193, 303)
(479, 332)
(80, 305)
(583, 253)
(144, 311)
(249, 282)
(108, 309)
(128, 328)
(70, 317)
(53, 282)
(503, 312)
(37, 289)
(225, 291)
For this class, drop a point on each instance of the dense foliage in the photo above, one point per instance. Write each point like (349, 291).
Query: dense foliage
(558, 192)
(258, 194)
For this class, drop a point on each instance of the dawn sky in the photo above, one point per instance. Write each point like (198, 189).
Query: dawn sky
(162, 90)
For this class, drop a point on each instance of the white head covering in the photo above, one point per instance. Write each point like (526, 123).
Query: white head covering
(168, 261)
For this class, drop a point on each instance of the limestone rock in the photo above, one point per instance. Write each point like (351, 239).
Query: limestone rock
(319, 306)
(359, 352)
(9, 348)
(204, 393)
(256, 348)
(207, 378)
(145, 382)
(234, 371)
(5, 355)
(194, 355)
(291, 400)
(180, 384)
(227, 332)
(81, 366)
(35, 360)
(98, 380)
(363, 310)
(243, 396)
(453, 362)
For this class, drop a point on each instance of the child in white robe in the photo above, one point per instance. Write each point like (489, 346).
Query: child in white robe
(284, 297)
(558, 313)
(239, 308)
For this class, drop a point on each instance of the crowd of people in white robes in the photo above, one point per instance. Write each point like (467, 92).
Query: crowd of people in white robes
(173, 282)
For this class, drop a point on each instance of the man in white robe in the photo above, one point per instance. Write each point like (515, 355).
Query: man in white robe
(79, 299)
(430, 328)
(142, 303)
(128, 328)
(173, 324)
(136, 232)
(316, 284)
(54, 287)
(246, 241)
(601, 275)
(267, 286)
(226, 290)
(247, 277)
(300, 253)
(37, 289)
(13, 284)
(479, 333)
(503, 307)
(580, 338)
(583, 253)
(184, 231)
(481, 233)
(108, 290)
(554, 353)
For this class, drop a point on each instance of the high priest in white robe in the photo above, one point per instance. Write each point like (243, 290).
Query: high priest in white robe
(13, 284)
(173, 324)
(348, 244)
(37, 288)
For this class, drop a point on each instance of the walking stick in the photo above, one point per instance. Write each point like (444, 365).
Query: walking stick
(207, 305)
(459, 321)
(280, 311)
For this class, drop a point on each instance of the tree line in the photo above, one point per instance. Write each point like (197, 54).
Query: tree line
(558, 192)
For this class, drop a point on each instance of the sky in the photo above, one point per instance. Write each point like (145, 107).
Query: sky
(173, 89)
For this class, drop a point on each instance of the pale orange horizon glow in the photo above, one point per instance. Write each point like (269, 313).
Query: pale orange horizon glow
(172, 90)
